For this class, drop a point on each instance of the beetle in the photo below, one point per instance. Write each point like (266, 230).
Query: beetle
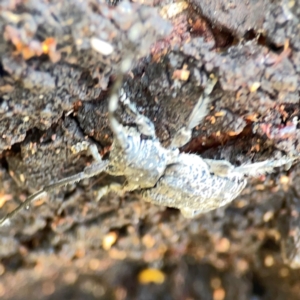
(163, 176)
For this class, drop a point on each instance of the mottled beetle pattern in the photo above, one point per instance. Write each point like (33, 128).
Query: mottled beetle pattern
(163, 176)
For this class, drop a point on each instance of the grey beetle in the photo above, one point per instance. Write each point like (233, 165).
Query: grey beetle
(163, 176)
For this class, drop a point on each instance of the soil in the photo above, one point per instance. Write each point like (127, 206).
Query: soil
(54, 87)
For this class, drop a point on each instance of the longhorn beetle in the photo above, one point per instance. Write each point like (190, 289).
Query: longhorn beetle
(163, 176)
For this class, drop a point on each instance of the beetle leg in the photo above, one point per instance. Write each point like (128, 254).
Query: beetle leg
(184, 135)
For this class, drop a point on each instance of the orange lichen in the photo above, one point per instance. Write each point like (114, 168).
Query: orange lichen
(32, 47)
(151, 276)
(181, 74)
